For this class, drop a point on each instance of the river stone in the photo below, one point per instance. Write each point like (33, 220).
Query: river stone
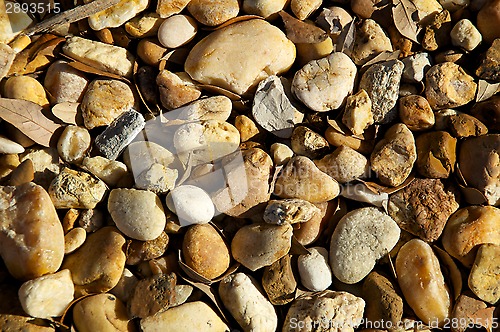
(176, 89)
(488, 20)
(213, 12)
(324, 84)
(125, 285)
(484, 277)
(341, 311)
(272, 108)
(289, 211)
(416, 113)
(137, 213)
(25, 88)
(144, 25)
(465, 35)
(264, 8)
(468, 228)
(308, 232)
(102, 312)
(370, 41)
(358, 112)
(436, 154)
(447, 85)
(478, 161)
(219, 58)
(140, 251)
(65, 83)
(344, 164)
(361, 238)
(8, 146)
(116, 15)
(315, 273)
(381, 82)
(192, 316)
(97, 266)
(279, 281)
(280, 153)
(423, 207)
(31, 235)
(74, 239)
(248, 128)
(167, 8)
(300, 178)
(306, 142)
(152, 295)
(180, 201)
(490, 65)
(210, 108)
(394, 155)
(259, 245)
(242, 297)
(47, 296)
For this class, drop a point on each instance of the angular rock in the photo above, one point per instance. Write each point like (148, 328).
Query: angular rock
(416, 113)
(247, 127)
(140, 251)
(306, 142)
(315, 273)
(358, 112)
(464, 125)
(144, 25)
(46, 164)
(109, 171)
(484, 277)
(116, 15)
(416, 66)
(464, 311)
(489, 68)
(10, 322)
(213, 13)
(167, 8)
(176, 89)
(152, 295)
(370, 41)
(344, 164)
(304, 8)
(158, 179)
(381, 82)
(383, 303)
(437, 31)
(102, 312)
(279, 282)
(436, 154)
(361, 238)
(488, 20)
(140, 156)
(289, 211)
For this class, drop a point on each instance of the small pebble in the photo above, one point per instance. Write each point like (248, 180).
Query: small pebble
(45, 164)
(73, 144)
(23, 173)
(247, 128)
(74, 239)
(143, 26)
(302, 9)
(464, 125)
(101, 312)
(416, 113)
(289, 211)
(176, 89)
(281, 153)
(264, 8)
(125, 285)
(465, 35)
(279, 281)
(109, 171)
(416, 66)
(490, 65)
(370, 40)
(167, 8)
(180, 200)
(150, 51)
(436, 154)
(465, 308)
(25, 88)
(91, 220)
(116, 15)
(315, 273)
(484, 277)
(383, 303)
(65, 83)
(211, 13)
(8, 146)
(151, 295)
(210, 108)
(358, 114)
(344, 164)
(141, 251)
(177, 30)
(308, 232)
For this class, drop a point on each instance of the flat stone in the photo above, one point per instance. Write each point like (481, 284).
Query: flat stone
(436, 154)
(101, 312)
(279, 282)
(76, 189)
(344, 164)
(114, 59)
(489, 68)
(180, 201)
(65, 83)
(152, 295)
(381, 82)
(361, 238)
(167, 8)
(416, 66)
(273, 109)
(358, 114)
(383, 303)
(289, 211)
(465, 35)
(116, 15)
(32, 238)
(176, 89)
(315, 273)
(484, 277)
(219, 58)
(119, 134)
(324, 84)
(211, 13)
(370, 41)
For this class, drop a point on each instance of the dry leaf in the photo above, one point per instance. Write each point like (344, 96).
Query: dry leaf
(177, 56)
(300, 32)
(473, 195)
(67, 112)
(485, 90)
(453, 272)
(218, 90)
(405, 18)
(28, 118)
(361, 193)
(378, 188)
(297, 248)
(345, 42)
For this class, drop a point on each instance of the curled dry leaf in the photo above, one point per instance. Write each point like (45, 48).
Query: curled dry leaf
(300, 32)
(405, 18)
(345, 42)
(486, 90)
(29, 119)
(452, 270)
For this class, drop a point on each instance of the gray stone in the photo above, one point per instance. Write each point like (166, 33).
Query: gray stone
(415, 67)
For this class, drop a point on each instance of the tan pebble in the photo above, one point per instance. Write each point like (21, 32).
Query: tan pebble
(167, 8)
(116, 15)
(383, 303)
(176, 89)
(279, 281)
(70, 219)
(370, 40)
(437, 30)
(289, 211)
(73, 144)
(464, 34)
(150, 51)
(177, 30)
(210, 108)
(306, 142)
(8, 163)
(139, 251)
(74, 239)
(247, 128)
(484, 277)
(302, 9)
(463, 312)
(152, 295)
(264, 8)
(65, 83)
(309, 52)
(143, 26)
(344, 164)
(309, 231)
(358, 112)
(364, 8)
(182, 294)
(436, 154)
(281, 153)
(109, 171)
(91, 220)
(464, 125)
(26, 88)
(24, 173)
(488, 20)
(416, 113)
(211, 13)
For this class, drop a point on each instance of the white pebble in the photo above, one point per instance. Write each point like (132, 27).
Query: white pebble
(177, 30)
(10, 147)
(315, 273)
(191, 204)
(464, 34)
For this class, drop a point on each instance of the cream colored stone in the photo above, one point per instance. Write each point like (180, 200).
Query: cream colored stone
(302, 9)
(74, 239)
(358, 112)
(102, 312)
(167, 8)
(464, 34)
(314, 270)
(143, 26)
(370, 40)
(308, 52)
(73, 144)
(484, 277)
(65, 83)
(213, 12)
(180, 201)
(7, 56)
(264, 8)
(344, 164)
(177, 30)
(26, 88)
(9, 147)
(116, 15)
(211, 108)
(109, 171)
(12, 22)
(281, 153)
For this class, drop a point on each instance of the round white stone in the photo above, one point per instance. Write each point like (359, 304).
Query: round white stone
(315, 273)
(191, 204)
(177, 30)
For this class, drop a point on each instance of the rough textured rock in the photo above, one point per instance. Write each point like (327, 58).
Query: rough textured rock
(464, 125)
(484, 277)
(370, 40)
(306, 142)
(361, 237)
(315, 273)
(211, 13)
(109, 171)
(242, 297)
(102, 312)
(324, 84)
(436, 154)
(358, 112)
(303, 8)
(416, 113)
(116, 15)
(490, 66)
(465, 308)
(219, 57)
(248, 128)
(73, 144)
(152, 295)
(279, 281)
(289, 211)
(144, 25)
(437, 31)
(465, 35)
(45, 164)
(383, 303)
(423, 207)
(259, 245)
(416, 66)
(140, 251)
(344, 164)
(22, 323)
(393, 156)
(381, 82)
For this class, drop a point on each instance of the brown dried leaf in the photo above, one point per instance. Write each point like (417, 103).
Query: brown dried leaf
(472, 195)
(378, 188)
(300, 32)
(297, 248)
(452, 269)
(177, 56)
(486, 90)
(45, 45)
(345, 42)
(405, 18)
(29, 119)
(67, 112)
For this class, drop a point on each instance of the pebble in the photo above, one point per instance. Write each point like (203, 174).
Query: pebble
(109, 171)
(141, 251)
(306, 142)
(116, 15)
(45, 164)
(8, 163)
(300, 178)
(205, 251)
(394, 155)
(490, 65)
(437, 31)
(230, 58)
(465, 308)
(180, 201)
(74, 239)
(259, 245)
(333, 20)
(76, 189)
(302, 9)
(152, 295)
(211, 108)
(415, 67)
(176, 89)
(150, 51)
(344, 164)
(212, 13)
(47, 296)
(289, 211)
(364, 9)
(114, 59)
(488, 112)
(358, 114)
(25, 88)
(324, 84)
(167, 8)
(265, 8)
(381, 82)
(468, 228)
(8, 146)
(11, 322)
(65, 83)
(247, 128)
(309, 52)
(416, 113)
(370, 41)
(281, 153)
(177, 30)
(101, 312)
(272, 108)
(361, 238)
(279, 281)
(476, 159)
(158, 179)
(383, 303)
(341, 310)
(465, 35)
(315, 273)
(242, 297)
(191, 316)
(140, 156)
(91, 220)
(484, 277)
(442, 118)
(488, 20)
(308, 232)
(30, 221)
(447, 85)
(125, 285)
(24, 173)
(143, 26)
(11, 24)
(464, 125)
(119, 134)
(98, 264)
(104, 101)
(422, 282)
(73, 144)
(436, 154)
(423, 207)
